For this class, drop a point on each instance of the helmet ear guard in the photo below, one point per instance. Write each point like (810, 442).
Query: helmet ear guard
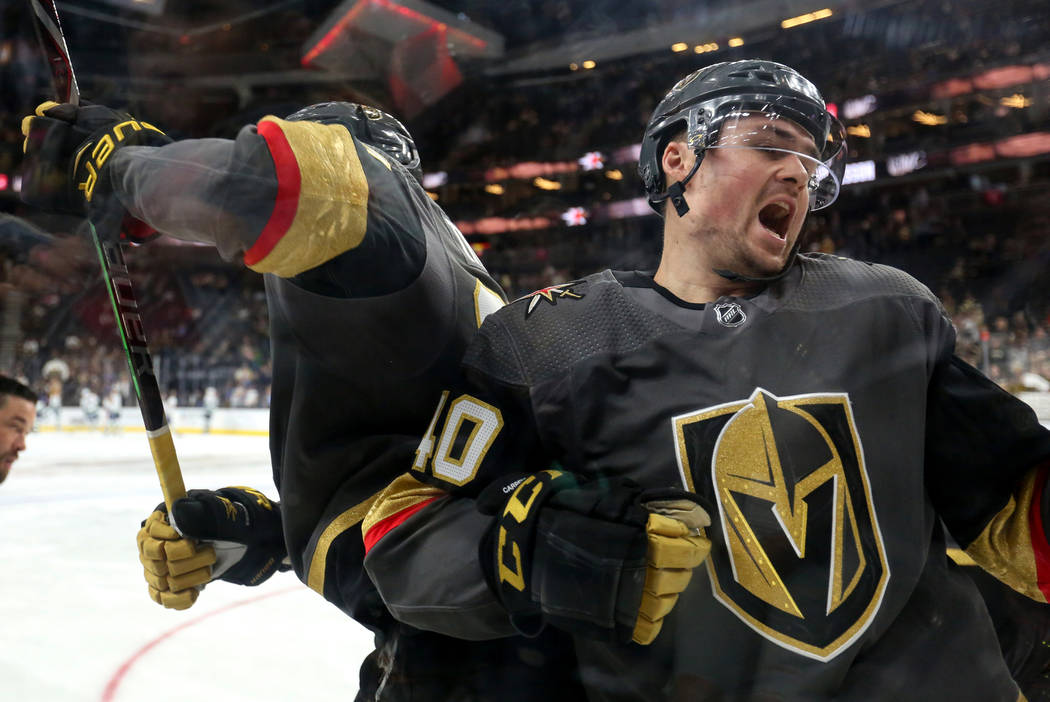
(697, 134)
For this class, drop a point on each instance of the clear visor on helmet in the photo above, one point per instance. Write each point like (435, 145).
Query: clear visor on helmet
(816, 146)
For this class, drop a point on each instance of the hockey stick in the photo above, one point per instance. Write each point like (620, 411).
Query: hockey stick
(115, 275)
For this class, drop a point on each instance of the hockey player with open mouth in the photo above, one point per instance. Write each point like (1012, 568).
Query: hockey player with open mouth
(811, 404)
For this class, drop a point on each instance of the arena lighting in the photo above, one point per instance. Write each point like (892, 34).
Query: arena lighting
(592, 161)
(636, 207)
(953, 87)
(150, 7)
(928, 118)
(498, 225)
(806, 18)
(589, 64)
(627, 154)
(434, 180)
(4, 181)
(530, 169)
(614, 174)
(994, 79)
(397, 20)
(679, 47)
(544, 184)
(574, 216)
(16, 184)
(1024, 145)
(971, 153)
(859, 130)
(705, 48)
(902, 164)
(858, 107)
(859, 172)
(433, 196)
(1016, 101)
(494, 189)
(736, 41)
(574, 66)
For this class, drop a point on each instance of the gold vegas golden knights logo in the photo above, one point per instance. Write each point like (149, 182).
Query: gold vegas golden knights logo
(798, 555)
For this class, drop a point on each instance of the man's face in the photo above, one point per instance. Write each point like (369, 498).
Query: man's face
(16, 421)
(748, 204)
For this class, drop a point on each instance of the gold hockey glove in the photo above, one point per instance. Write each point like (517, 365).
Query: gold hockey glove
(175, 568)
(676, 547)
(233, 534)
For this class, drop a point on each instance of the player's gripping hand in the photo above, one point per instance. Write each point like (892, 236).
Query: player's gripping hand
(602, 559)
(676, 546)
(175, 568)
(239, 526)
(67, 148)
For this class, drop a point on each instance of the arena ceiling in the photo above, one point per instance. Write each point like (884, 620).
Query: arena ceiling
(248, 44)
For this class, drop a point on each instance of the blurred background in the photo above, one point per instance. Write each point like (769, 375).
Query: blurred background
(528, 116)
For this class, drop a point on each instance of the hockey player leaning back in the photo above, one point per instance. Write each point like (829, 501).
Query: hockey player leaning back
(372, 295)
(813, 403)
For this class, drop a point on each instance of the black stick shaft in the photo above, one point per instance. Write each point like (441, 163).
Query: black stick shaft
(118, 282)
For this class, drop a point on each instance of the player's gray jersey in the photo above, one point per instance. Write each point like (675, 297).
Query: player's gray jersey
(824, 418)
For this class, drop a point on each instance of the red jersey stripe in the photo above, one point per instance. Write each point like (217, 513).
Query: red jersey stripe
(1037, 534)
(382, 528)
(289, 181)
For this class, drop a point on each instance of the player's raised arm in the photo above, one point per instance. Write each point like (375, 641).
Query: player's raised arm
(285, 196)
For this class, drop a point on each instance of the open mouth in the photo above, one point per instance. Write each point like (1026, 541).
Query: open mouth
(776, 216)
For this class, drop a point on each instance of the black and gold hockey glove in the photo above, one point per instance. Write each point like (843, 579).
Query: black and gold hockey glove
(602, 559)
(233, 534)
(67, 148)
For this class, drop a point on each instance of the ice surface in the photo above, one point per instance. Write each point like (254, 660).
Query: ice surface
(76, 623)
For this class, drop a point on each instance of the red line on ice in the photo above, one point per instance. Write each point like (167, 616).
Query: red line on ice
(109, 694)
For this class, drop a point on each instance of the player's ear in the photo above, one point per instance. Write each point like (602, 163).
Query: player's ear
(677, 160)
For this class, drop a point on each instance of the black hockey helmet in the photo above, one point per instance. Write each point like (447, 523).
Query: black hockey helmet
(370, 125)
(700, 103)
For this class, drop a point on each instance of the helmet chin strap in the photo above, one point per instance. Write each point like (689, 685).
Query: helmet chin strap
(730, 275)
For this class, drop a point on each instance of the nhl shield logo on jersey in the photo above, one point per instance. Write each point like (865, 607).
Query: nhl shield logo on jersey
(798, 555)
(551, 294)
(730, 314)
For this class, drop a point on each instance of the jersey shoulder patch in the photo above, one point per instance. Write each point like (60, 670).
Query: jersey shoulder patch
(546, 332)
(551, 295)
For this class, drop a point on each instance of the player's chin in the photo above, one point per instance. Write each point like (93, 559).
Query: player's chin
(764, 265)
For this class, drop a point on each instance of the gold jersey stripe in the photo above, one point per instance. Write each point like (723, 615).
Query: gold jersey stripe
(346, 520)
(959, 557)
(1004, 548)
(403, 493)
(331, 213)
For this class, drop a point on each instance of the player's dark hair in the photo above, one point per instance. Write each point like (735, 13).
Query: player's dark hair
(10, 386)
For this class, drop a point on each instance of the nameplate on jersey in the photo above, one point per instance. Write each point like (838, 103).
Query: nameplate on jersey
(798, 555)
